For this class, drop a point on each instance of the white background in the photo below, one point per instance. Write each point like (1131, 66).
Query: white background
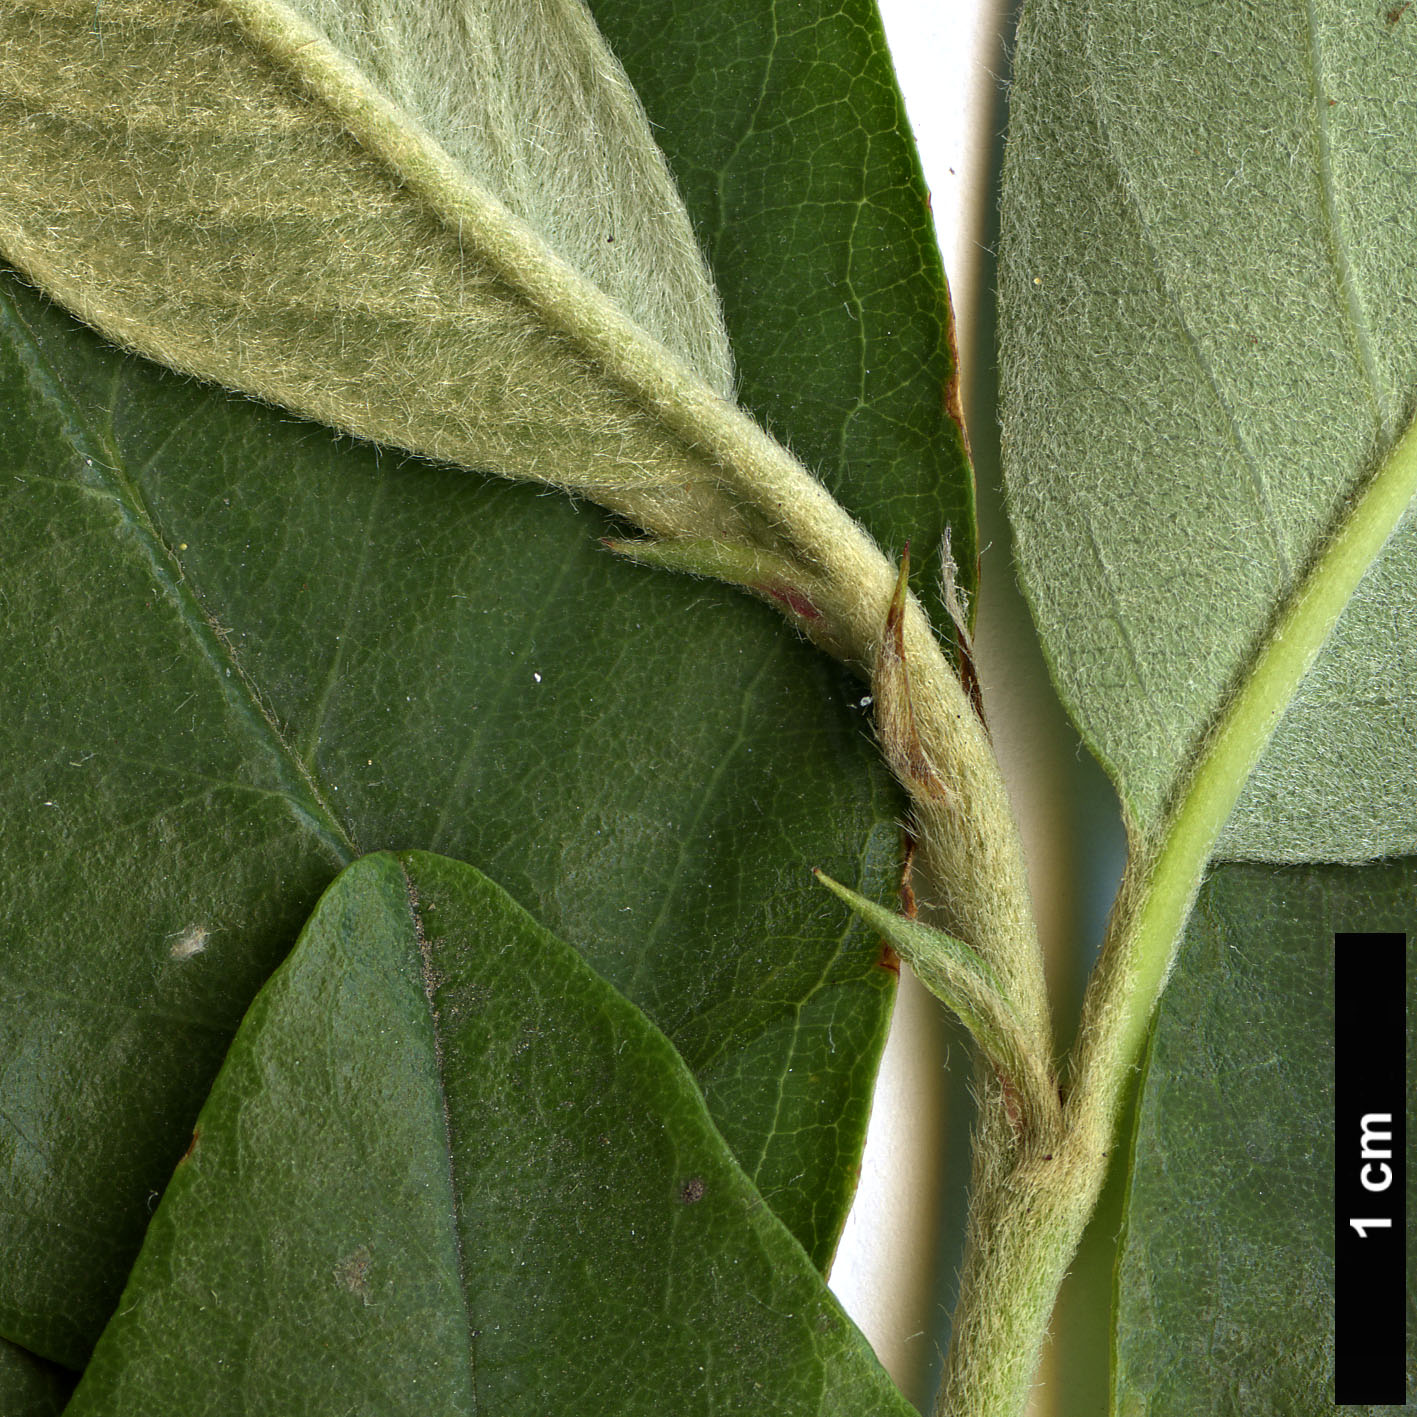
(951, 59)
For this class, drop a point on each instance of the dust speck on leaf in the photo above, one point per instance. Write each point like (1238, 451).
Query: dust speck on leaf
(189, 942)
(352, 1273)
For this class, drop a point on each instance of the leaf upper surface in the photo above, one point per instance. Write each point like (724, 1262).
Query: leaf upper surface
(30, 1387)
(447, 1168)
(238, 652)
(1208, 346)
(259, 653)
(1225, 1275)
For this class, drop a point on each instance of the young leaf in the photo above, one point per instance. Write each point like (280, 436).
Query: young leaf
(311, 203)
(955, 974)
(235, 649)
(447, 1168)
(1207, 358)
(1225, 1279)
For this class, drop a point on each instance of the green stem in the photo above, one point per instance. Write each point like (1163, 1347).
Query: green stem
(1028, 1210)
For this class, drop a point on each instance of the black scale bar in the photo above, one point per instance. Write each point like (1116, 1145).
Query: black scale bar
(1370, 1183)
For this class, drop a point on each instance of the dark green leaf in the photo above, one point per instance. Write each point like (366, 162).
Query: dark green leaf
(30, 1387)
(656, 793)
(235, 648)
(784, 128)
(1225, 1279)
(1207, 346)
(446, 1168)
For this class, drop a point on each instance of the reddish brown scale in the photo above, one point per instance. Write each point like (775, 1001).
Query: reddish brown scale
(968, 675)
(950, 397)
(1011, 1101)
(794, 600)
(909, 907)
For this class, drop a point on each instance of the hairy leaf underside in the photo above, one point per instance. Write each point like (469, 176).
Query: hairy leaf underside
(1209, 353)
(1208, 346)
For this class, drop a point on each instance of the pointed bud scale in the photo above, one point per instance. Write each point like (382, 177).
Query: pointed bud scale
(895, 714)
(961, 979)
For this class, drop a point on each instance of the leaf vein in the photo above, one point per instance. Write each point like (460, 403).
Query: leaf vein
(1119, 618)
(690, 838)
(212, 644)
(320, 711)
(1194, 348)
(429, 979)
(1384, 404)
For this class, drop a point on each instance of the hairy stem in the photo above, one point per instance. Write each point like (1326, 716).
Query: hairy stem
(1029, 1206)
(935, 743)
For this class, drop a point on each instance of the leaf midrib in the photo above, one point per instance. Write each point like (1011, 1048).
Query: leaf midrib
(757, 480)
(300, 788)
(428, 980)
(448, 195)
(1196, 770)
